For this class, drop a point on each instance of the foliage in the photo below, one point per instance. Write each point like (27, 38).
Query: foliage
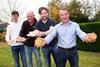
(73, 7)
(90, 7)
(88, 28)
(54, 9)
(97, 16)
(2, 36)
(75, 13)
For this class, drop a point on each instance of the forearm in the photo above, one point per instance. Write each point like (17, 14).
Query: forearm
(46, 32)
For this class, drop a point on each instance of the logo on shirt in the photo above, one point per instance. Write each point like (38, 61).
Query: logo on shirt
(33, 27)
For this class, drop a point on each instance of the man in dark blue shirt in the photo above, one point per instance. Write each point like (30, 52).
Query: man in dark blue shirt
(45, 26)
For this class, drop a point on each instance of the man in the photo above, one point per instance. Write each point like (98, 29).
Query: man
(29, 25)
(45, 26)
(66, 32)
(17, 48)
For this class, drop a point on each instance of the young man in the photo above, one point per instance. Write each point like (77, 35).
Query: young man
(45, 26)
(12, 33)
(66, 32)
(29, 25)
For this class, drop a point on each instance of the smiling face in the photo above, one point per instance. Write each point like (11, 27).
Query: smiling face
(30, 16)
(44, 14)
(43, 11)
(15, 18)
(64, 15)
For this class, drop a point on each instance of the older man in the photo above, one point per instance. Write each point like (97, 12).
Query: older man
(28, 25)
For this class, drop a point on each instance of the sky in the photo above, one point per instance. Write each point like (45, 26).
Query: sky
(29, 5)
(35, 4)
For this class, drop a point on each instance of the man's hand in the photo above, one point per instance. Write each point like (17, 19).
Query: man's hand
(90, 37)
(10, 41)
(20, 39)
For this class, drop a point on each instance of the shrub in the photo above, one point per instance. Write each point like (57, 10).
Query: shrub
(2, 36)
(88, 28)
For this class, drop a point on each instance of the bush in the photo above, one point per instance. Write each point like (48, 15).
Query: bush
(88, 28)
(2, 37)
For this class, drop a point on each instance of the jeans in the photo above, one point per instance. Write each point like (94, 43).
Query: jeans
(16, 51)
(70, 54)
(47, 51)
(28, 51)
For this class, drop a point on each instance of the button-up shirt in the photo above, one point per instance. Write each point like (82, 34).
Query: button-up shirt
(66, 33)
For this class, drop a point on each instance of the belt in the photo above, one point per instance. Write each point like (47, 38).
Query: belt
(67, 48)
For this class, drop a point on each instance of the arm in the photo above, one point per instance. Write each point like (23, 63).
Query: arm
(8, 36)
(40, 42)
(90, 37)
(22, 31)
(46, 32)
(50, 36)
(80, 33)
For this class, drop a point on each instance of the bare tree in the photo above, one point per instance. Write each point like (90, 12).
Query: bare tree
(7, 6)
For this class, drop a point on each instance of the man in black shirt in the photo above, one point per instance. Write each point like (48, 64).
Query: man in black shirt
(45, 26)
(29, 25)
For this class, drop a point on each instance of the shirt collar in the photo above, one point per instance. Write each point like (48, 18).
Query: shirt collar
(15, 22)
(68, 23)
(46, 21)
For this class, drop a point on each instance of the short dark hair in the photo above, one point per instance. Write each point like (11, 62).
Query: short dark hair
(15, 12)
(42, 8)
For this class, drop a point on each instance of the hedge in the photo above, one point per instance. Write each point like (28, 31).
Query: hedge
(88, 28)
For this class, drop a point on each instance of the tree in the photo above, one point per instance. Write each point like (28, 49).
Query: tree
(97, 16)
(75, 12)
(90, 7)
(7, 6)
(74, 9)
(54, 9)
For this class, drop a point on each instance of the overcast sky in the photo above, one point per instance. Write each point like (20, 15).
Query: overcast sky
(28, 5)
(35, 4)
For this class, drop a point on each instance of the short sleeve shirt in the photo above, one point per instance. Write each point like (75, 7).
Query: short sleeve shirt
(45, 27)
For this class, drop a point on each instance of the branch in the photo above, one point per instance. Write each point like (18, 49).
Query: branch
(9, 5)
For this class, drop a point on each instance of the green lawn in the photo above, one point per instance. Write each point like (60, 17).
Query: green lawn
(86, 59)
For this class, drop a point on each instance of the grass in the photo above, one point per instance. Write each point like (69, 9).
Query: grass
(86, 59)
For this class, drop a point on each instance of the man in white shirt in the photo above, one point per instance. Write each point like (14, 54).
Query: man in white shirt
(12, 33)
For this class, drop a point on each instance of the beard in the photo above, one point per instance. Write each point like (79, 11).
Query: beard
(44, 18)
